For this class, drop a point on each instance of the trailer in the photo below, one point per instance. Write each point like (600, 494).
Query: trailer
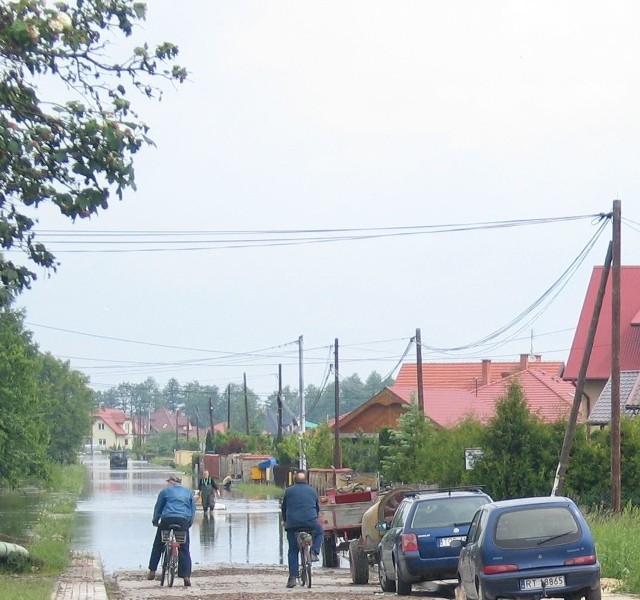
(341, 518)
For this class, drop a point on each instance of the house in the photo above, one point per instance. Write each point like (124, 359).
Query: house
(470, 375)
(599, 368)
(163, 420)
(111, 428)
(448, 403)
(629, 399)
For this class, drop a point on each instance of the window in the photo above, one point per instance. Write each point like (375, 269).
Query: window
(399, 517)
(101, 426)
(126, 442)
(102, 442)
(534, 527)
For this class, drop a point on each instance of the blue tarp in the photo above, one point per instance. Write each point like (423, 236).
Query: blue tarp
(270, 462)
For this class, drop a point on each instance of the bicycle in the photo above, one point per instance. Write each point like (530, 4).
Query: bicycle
(304, 540)
(172, 538)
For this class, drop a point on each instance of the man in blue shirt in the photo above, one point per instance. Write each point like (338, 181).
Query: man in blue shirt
(175, 506)
(300, 510)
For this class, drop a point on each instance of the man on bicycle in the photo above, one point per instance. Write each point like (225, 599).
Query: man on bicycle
(175, 507)
(300, 510)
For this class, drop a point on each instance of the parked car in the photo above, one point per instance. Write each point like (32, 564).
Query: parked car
(417, 545)
(528, 548)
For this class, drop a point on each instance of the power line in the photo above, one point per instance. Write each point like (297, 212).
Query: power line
(267, 239)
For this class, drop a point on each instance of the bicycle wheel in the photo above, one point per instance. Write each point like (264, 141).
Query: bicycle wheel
(307, 564)
(164, 561)
(173, 566)
(303, 568)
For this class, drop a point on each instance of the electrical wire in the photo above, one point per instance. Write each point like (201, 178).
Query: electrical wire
(293, 236)
(556, 287)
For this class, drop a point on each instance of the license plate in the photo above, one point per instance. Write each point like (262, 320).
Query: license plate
(446, 542)
(542, 582)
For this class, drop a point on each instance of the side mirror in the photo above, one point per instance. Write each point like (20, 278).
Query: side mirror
(458, 543)
(382, 526)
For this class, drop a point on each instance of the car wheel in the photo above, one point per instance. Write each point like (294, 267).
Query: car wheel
(594, 594)
(403, 588)
(387, 585)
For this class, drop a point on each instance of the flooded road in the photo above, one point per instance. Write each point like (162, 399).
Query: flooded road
(113, 517)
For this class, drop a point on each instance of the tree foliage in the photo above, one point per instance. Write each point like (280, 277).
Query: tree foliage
(520, 451)
(407, 457)
(74, 147)
(46, 406)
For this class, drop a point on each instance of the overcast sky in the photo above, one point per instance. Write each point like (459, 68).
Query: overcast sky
(332, 115)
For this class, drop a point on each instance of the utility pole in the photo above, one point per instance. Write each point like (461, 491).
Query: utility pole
(303, 415)
(197, 427)
(228, 407)
(177, 429)
(246, 403)
(279, 435)
(615, 361)
(337, 452)
(577, 398)
(419, 366)
(211, 422)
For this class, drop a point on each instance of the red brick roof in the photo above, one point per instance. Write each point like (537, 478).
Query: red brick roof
(114, 418)
(547, 394)
(600, 362)
(468, 376)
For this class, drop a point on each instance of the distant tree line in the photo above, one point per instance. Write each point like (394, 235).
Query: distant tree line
(45, 405)
(192, 399)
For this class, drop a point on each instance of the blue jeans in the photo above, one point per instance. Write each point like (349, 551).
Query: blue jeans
(294, 551)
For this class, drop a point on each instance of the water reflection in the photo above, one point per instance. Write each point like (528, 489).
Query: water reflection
(113, 518)
(19, 513)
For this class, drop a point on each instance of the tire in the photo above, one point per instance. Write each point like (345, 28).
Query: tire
(403, 588)
(308, 570)
(164, 559)
(387, 585)
(358, 564)
(173, 567)
(594, 594)
(304, 570)
(329, 551)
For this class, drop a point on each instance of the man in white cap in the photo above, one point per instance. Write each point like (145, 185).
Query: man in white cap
(176, 507)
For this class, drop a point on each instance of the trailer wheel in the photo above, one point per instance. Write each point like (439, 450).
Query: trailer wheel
(329, 551)
(358, 563)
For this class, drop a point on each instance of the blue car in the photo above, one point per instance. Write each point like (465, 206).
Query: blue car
(527, 549)
(419, 543)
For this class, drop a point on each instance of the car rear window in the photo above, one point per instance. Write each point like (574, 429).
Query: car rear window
(536, 528)
(445, 512)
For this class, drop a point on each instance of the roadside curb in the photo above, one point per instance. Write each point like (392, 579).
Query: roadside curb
(83, 579)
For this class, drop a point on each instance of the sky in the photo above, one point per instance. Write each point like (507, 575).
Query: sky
(341, 115)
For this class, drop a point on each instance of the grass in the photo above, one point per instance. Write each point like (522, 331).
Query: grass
(618, 544)
(34, 579)
(257, 491)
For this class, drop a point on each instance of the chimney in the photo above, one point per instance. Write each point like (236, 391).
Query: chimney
(524, 362)
(486, 372)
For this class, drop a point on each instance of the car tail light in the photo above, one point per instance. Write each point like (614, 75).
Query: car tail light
(493, 569)
(581, 560)
(409, 542)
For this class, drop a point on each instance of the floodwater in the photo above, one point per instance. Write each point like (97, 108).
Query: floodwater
(113, 518)
(19, 513)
